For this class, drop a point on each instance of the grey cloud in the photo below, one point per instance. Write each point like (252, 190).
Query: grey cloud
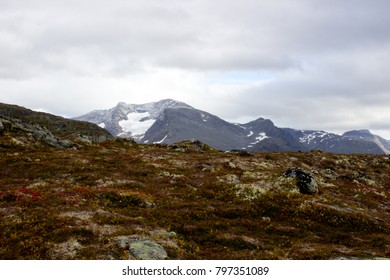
(202, 35)
(329, 59)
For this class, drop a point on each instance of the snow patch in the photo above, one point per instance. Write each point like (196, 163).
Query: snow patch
(102, 125)
(204, 117)
(250, 134)
(159, 142)
(134, 125)
(240, 125)
(307, 138)
(262, 136)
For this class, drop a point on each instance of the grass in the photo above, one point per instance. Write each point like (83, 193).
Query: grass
(73, 204)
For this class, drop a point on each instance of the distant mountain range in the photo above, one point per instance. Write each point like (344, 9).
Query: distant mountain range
(169, 121)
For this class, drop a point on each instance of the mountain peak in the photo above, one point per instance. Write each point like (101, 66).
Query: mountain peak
(359, 133)
(121, 104)
(131, 120)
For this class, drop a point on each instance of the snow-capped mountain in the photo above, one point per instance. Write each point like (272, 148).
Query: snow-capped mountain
(169, 121)
(334, 143)
(131, 120)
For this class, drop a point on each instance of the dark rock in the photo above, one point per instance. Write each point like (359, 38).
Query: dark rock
(191, 146)
(241, 153)
(305, 181)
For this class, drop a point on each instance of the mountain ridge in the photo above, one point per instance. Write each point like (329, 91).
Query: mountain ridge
(168, 121)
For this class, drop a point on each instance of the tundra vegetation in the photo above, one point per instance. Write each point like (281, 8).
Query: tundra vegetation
(113, 199)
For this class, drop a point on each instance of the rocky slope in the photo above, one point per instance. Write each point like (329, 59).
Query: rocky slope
(24, 126)
(169, 121)
(122, 200)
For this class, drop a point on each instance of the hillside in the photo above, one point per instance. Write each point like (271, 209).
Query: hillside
(58, 127)
(122, 200)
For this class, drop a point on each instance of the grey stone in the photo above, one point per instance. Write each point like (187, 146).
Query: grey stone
(1, 126)
(148, 250)
(143, 249)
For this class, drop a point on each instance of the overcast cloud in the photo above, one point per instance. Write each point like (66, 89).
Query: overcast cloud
(304, 64)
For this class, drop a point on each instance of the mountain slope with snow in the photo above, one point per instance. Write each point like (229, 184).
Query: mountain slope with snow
(334, 143)
(131, 120)
(169, 121)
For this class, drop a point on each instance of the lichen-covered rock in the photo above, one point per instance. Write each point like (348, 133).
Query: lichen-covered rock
(143, 249)
(148, 250)
(305, 181)
(66, 250)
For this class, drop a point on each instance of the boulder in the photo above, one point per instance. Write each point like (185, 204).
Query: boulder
(141, 248)
(305, 181)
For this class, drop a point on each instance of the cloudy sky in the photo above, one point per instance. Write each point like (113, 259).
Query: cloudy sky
(307, 64)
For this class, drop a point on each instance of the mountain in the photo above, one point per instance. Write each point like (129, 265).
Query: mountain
(333, 143)
(130, 120)
(27, 126)
(177, 124)
(169, 121)
(366, 135)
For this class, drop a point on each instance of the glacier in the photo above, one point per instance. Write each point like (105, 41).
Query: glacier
(137, 124)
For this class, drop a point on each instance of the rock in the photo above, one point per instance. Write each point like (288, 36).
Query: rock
(191, 146)
(205, 167)
(177, 148)
(197, 145)
(66, 250)
(241, 153)
(161, 233)
(1, 126)
(230, 165)
(148, 250)
(141, 248)
(230, 179)
(305, 181)
(330, 174)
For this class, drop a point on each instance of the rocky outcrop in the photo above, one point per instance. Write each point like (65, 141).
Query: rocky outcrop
(142, 248)
(37, 132)
(304, 180)
(46, 127)
(29, 128)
